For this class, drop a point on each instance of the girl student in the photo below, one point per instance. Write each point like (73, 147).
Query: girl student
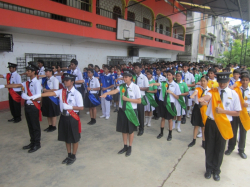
(169, 94)
(127, 120)
(200, 117)
(180, 108)
(151, 103)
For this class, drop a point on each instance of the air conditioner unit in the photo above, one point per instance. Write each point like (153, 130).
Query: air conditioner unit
(6, 42)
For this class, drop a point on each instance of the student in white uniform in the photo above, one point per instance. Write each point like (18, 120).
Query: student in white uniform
(127, 120)
(32, 109)
(69, 127)
(76, 71)
(14, 93)
(41, 72)
(170, 92)
(50, 105)
(118, 81)
(142, 81)
(93, 87)
(223, 104)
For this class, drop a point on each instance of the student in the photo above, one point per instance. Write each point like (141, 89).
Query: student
(58, 74)
(170, 92)
(114, 76)
(199, 118)
(41, 72)
(79, 78)
(212, 82)
(69, 126)
(127, 120)
(107, 82)
(118, 83)
(32, 109)
(142, 81)
(151, 103)
(180, 107)
(223, 104)
(14, 93)
(50, 105)
(235, 78)
(243, 121)
(92, 87)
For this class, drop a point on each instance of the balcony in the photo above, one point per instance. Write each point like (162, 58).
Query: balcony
(161, 31)
(143, 25)
(107, 13)
(179, 37)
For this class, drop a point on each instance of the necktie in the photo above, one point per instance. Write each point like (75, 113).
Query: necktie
(221, 95)
(136, 80)
(201, 96)
(125, 102)
(72, 72)
(67, 94)
(10, 76)
(30, 83)
(243, 93)
(184, 77)
(165, 98)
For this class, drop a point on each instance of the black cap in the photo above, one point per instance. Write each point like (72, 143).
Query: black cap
(223, 77)
(32, 67)
(128, 72)
(13, 65)
(47, 68)
(68, 76)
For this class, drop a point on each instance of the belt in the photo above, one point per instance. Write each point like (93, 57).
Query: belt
(210, 118)
(29, 104)
(68, 114)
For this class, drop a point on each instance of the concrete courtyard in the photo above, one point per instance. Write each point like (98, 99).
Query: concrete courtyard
(153, 162)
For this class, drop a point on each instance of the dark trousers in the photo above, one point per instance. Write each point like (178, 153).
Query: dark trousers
(15, 107)
(32, 118)
(214, 147)
(156, 111)
(140, 109)
(232, 142)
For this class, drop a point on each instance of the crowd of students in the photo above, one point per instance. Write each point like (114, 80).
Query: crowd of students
(215, 99)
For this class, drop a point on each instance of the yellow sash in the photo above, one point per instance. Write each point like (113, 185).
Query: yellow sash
(221, 120)
(244, 117)
(213, 84)
(203, 109)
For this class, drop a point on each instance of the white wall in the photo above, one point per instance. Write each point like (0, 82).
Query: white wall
(87, 52)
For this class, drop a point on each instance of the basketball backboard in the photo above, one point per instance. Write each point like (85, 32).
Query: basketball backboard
(125, 30)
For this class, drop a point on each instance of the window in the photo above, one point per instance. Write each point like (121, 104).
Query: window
(156, 30)
(58, 17)
(146, 23)
(131, 16)
(97, 7)
(117, 13)
(85, 5)
(188, 40)
(61, 1)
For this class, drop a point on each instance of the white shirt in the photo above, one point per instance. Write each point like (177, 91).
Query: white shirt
(58, 77)
(233, 80)
(77, 73)
(35, 88)
(205, 93)
(53, 83)
(174, 87)
(159, 79)
(74, 98)
(133, 93)
(120, 81)
(246, 94)
(142, 82)
(93, 83)
(15, 79)
(230, 102)
(189, 78)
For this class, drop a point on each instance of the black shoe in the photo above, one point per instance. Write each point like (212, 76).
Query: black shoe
(17, 120)
(28, 146)
(243, 155)
(191, 144)
(128, 153)
(140, 133)
(208, 174)
(125, 148)
(169, 137)
(71, 161)
(183, 120)
(115, 110)
(216, 177)
(10, 120)
(228, 152)
(159, 136)
(92, 122)
(203, 144)
(47, 128)
(65, 161)
(34, 149)
(53, 128)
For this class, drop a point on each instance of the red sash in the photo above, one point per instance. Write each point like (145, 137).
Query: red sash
(71, 112)
(15, 96)
(37, 105)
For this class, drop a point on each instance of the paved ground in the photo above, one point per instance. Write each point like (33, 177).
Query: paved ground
(153, 162)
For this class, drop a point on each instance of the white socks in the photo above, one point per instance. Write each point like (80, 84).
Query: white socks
(146, 120)
(173, 124)
(149, 120)
(178, 124)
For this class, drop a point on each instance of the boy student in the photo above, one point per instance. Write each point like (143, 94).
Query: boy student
(79, 79)
(40, 64)
(69, 127)
(169, 95)
(151, 103)
(107, 82)
(32, 108)
(91, 100)
(118, 83)
(190, 81)
(142, 81)
(243, 121)
(14, 93)
(223, 104)
(50, 105)
(114, 76)
(235, 78)
(212, 82)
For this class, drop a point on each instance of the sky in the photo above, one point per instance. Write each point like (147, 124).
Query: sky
(234, 21)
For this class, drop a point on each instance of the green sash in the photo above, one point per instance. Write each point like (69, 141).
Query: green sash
(151, 100)
(168, 106)
(182, 102)
(130, 113)
(143, 101)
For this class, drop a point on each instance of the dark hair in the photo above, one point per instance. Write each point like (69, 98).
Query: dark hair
(91, 70)
(106, 66)
(180, 73)
(205, 77)
(236, 71)
(212, 70)
(118, 68)
(150, 71)
(245, 75)
(96, 66)
(158, 68)
(74, 61)
(186, 64)
(137, 64)
(40, 61)
(91, 65)
(170, 71)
